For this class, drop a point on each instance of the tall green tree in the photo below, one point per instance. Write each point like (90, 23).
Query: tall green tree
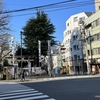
(38, 28)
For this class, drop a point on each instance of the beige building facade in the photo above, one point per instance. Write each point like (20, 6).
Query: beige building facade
(92, 30)
(97, 5)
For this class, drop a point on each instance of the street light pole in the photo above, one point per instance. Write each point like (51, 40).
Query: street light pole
(21, 50)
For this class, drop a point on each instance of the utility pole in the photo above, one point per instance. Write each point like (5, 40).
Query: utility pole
(60, 54)
(39, 49)
(13, 56)
(87, 59)
(82, 28)
(13, 49)
(61, 47)
(21, 50)
(49, 59)
(81, 43)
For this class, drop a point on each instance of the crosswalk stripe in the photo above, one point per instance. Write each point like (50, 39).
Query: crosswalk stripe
(33, 98)
(19, 96)
(11, 87)
(17, 93)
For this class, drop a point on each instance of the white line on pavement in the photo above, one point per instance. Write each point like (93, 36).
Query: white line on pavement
(12, 97)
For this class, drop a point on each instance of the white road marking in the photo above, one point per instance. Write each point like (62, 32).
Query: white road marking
(20, 92)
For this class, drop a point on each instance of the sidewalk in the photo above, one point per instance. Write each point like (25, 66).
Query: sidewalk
(41, 78)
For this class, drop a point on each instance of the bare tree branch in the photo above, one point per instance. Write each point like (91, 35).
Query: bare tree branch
(4, 19)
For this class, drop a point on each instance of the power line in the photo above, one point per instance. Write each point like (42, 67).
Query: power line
(55, 5)
(25, 9)
(62, 7)
(71, 4)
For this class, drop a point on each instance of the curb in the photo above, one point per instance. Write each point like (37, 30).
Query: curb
(41, 79)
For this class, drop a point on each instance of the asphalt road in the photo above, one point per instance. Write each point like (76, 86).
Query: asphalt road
(69, 89)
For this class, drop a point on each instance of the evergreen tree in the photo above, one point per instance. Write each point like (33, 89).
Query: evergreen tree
(39, 28)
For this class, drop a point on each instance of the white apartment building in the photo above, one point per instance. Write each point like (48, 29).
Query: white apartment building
(73, 53)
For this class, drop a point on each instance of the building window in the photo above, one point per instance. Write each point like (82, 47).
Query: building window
(68, 40)
(95, 37)
(78, 57)
(89, 52)
(75, 19)
(66, 33)
(98, 36)
(98, 50)
(77, 47)
(97, 22)
(75, 57)
(93, 24)
(74, 47)
(71, 49)
(99, 7)
(76, 36)
(73, 37)
(82, 18)
(70, 31)
(67, 24)
(95, 51)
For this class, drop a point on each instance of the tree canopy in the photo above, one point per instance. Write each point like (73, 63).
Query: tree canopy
(38, 28)
(4, 19)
